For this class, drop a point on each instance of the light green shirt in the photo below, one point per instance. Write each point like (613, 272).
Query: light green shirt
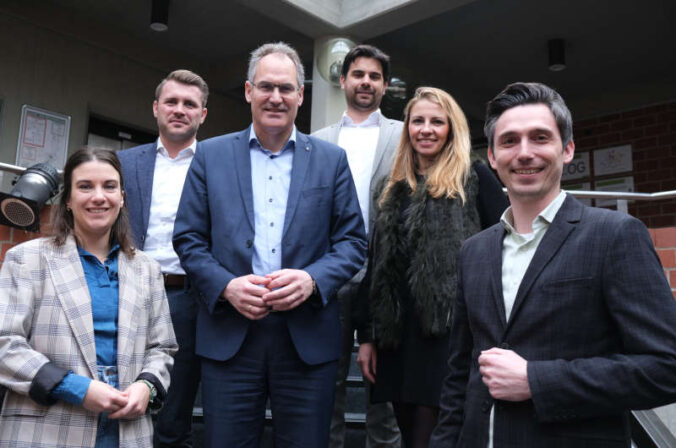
(517, 252)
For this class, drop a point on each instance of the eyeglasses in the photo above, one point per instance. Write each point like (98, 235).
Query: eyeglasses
(268, 88)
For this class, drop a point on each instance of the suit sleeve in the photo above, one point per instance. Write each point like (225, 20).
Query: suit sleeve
(452, 400)
(640, 304)
(192, 237)
(23, 369)
(347, 240)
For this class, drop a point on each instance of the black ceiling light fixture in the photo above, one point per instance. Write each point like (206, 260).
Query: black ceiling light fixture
(557, 54)
(159, 15)
(34, 186)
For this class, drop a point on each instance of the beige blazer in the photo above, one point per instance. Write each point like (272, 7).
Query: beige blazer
(46, 324)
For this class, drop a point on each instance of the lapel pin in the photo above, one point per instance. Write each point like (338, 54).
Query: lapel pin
(307, 148)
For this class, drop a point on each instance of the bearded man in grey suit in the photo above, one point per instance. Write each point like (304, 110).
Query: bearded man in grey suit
(370, 141)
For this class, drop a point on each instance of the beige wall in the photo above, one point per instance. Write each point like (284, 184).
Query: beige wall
(62, 74)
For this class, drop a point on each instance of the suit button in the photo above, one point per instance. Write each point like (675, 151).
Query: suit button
(249, 243)
(485, 406)
(505, 346)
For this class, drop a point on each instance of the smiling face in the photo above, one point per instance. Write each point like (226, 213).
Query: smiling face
(95, 199)
(179, 112)
(528, 154)
(273, 112)
(364, 84)
(428, 129)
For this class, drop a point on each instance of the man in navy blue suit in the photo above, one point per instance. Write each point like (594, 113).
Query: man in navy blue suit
(154, 176)
(269, 228)
(563, 319)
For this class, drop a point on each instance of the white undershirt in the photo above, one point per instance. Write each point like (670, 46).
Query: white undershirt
(168, 181)
(360, 141)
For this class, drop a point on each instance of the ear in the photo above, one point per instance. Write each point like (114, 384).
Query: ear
(300, 95)
(491, 158)
(247, 91)
(568, 152)
(155, 108)
(204, 115)
(342, 82)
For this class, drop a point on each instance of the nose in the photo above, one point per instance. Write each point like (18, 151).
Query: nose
(524, 151)
(275, 96)
(98, 194)
(426, 127)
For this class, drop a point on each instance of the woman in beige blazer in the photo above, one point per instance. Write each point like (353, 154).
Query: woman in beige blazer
(69, 303)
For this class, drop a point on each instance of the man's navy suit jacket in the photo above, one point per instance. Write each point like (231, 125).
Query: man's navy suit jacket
(593, 316)
(323, 234)
(138, 168)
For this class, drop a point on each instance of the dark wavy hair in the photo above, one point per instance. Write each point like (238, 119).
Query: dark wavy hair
(367, 51)
(522, 93)
(62, 218)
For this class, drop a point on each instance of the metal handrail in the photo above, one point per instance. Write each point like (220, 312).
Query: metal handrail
(621, 196)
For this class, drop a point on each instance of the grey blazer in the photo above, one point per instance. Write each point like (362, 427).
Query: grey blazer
(388, 140)
(46, 328)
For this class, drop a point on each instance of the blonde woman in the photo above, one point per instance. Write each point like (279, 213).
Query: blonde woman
(435, 198)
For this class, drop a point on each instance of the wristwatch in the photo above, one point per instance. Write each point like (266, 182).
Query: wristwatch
(153, 390)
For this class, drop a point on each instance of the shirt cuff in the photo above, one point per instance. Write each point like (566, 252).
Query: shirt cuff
(72, 389)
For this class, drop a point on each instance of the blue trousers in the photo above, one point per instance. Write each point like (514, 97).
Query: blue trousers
(108, 431)
(174, 421)
(267, 366)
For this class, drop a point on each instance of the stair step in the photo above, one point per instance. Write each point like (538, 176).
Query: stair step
(352, 419)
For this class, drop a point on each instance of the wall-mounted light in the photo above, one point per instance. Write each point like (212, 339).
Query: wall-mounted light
(34, 186)
(557, 54)
(330, 58)
(159, 15)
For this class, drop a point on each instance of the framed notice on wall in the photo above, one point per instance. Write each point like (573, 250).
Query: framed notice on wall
(43, 137)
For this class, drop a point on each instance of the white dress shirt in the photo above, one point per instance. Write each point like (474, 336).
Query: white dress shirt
(359, 142)
(168, 180)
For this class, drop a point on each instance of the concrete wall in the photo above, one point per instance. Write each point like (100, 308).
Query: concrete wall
(63, 74)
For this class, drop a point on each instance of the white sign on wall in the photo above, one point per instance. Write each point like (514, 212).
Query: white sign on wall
(613, 160)
(43, 137)
(578, 168)
(617, 184)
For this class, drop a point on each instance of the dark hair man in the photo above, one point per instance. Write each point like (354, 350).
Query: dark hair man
(154, 176)
(269, 227)
(370, 141)
(563, 319)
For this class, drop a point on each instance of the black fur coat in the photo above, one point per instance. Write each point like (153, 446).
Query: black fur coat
(418, 237)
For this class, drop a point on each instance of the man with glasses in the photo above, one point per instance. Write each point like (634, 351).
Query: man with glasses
(269, 228)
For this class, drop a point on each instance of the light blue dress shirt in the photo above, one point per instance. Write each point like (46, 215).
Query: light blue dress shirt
(270, 180)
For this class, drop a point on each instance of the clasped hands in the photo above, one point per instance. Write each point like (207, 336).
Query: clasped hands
(129, 404)
(505, 374)
(254, 296)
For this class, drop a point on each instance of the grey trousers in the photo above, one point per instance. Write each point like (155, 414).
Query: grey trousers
(381, 426)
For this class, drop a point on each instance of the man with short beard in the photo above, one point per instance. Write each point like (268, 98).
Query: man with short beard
(154, 175)
(370, 141)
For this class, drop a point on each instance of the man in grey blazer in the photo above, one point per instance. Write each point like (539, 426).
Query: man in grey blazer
(370, 141)
(154, 175)
(563, 319)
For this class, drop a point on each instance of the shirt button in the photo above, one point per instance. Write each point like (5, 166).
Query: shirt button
(269, 177)
(270, 200)
(272, 224)
(274, 251)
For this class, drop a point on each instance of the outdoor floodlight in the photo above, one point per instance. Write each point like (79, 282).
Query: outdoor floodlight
(34, 186)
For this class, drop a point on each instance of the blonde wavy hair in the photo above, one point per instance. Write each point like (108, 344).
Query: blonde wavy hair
(447, 176)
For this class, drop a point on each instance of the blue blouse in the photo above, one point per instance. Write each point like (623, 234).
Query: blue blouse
(104, 288)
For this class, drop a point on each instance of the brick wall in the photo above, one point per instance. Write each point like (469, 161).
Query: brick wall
(651, 132)
(10, 237)
(665, 244)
